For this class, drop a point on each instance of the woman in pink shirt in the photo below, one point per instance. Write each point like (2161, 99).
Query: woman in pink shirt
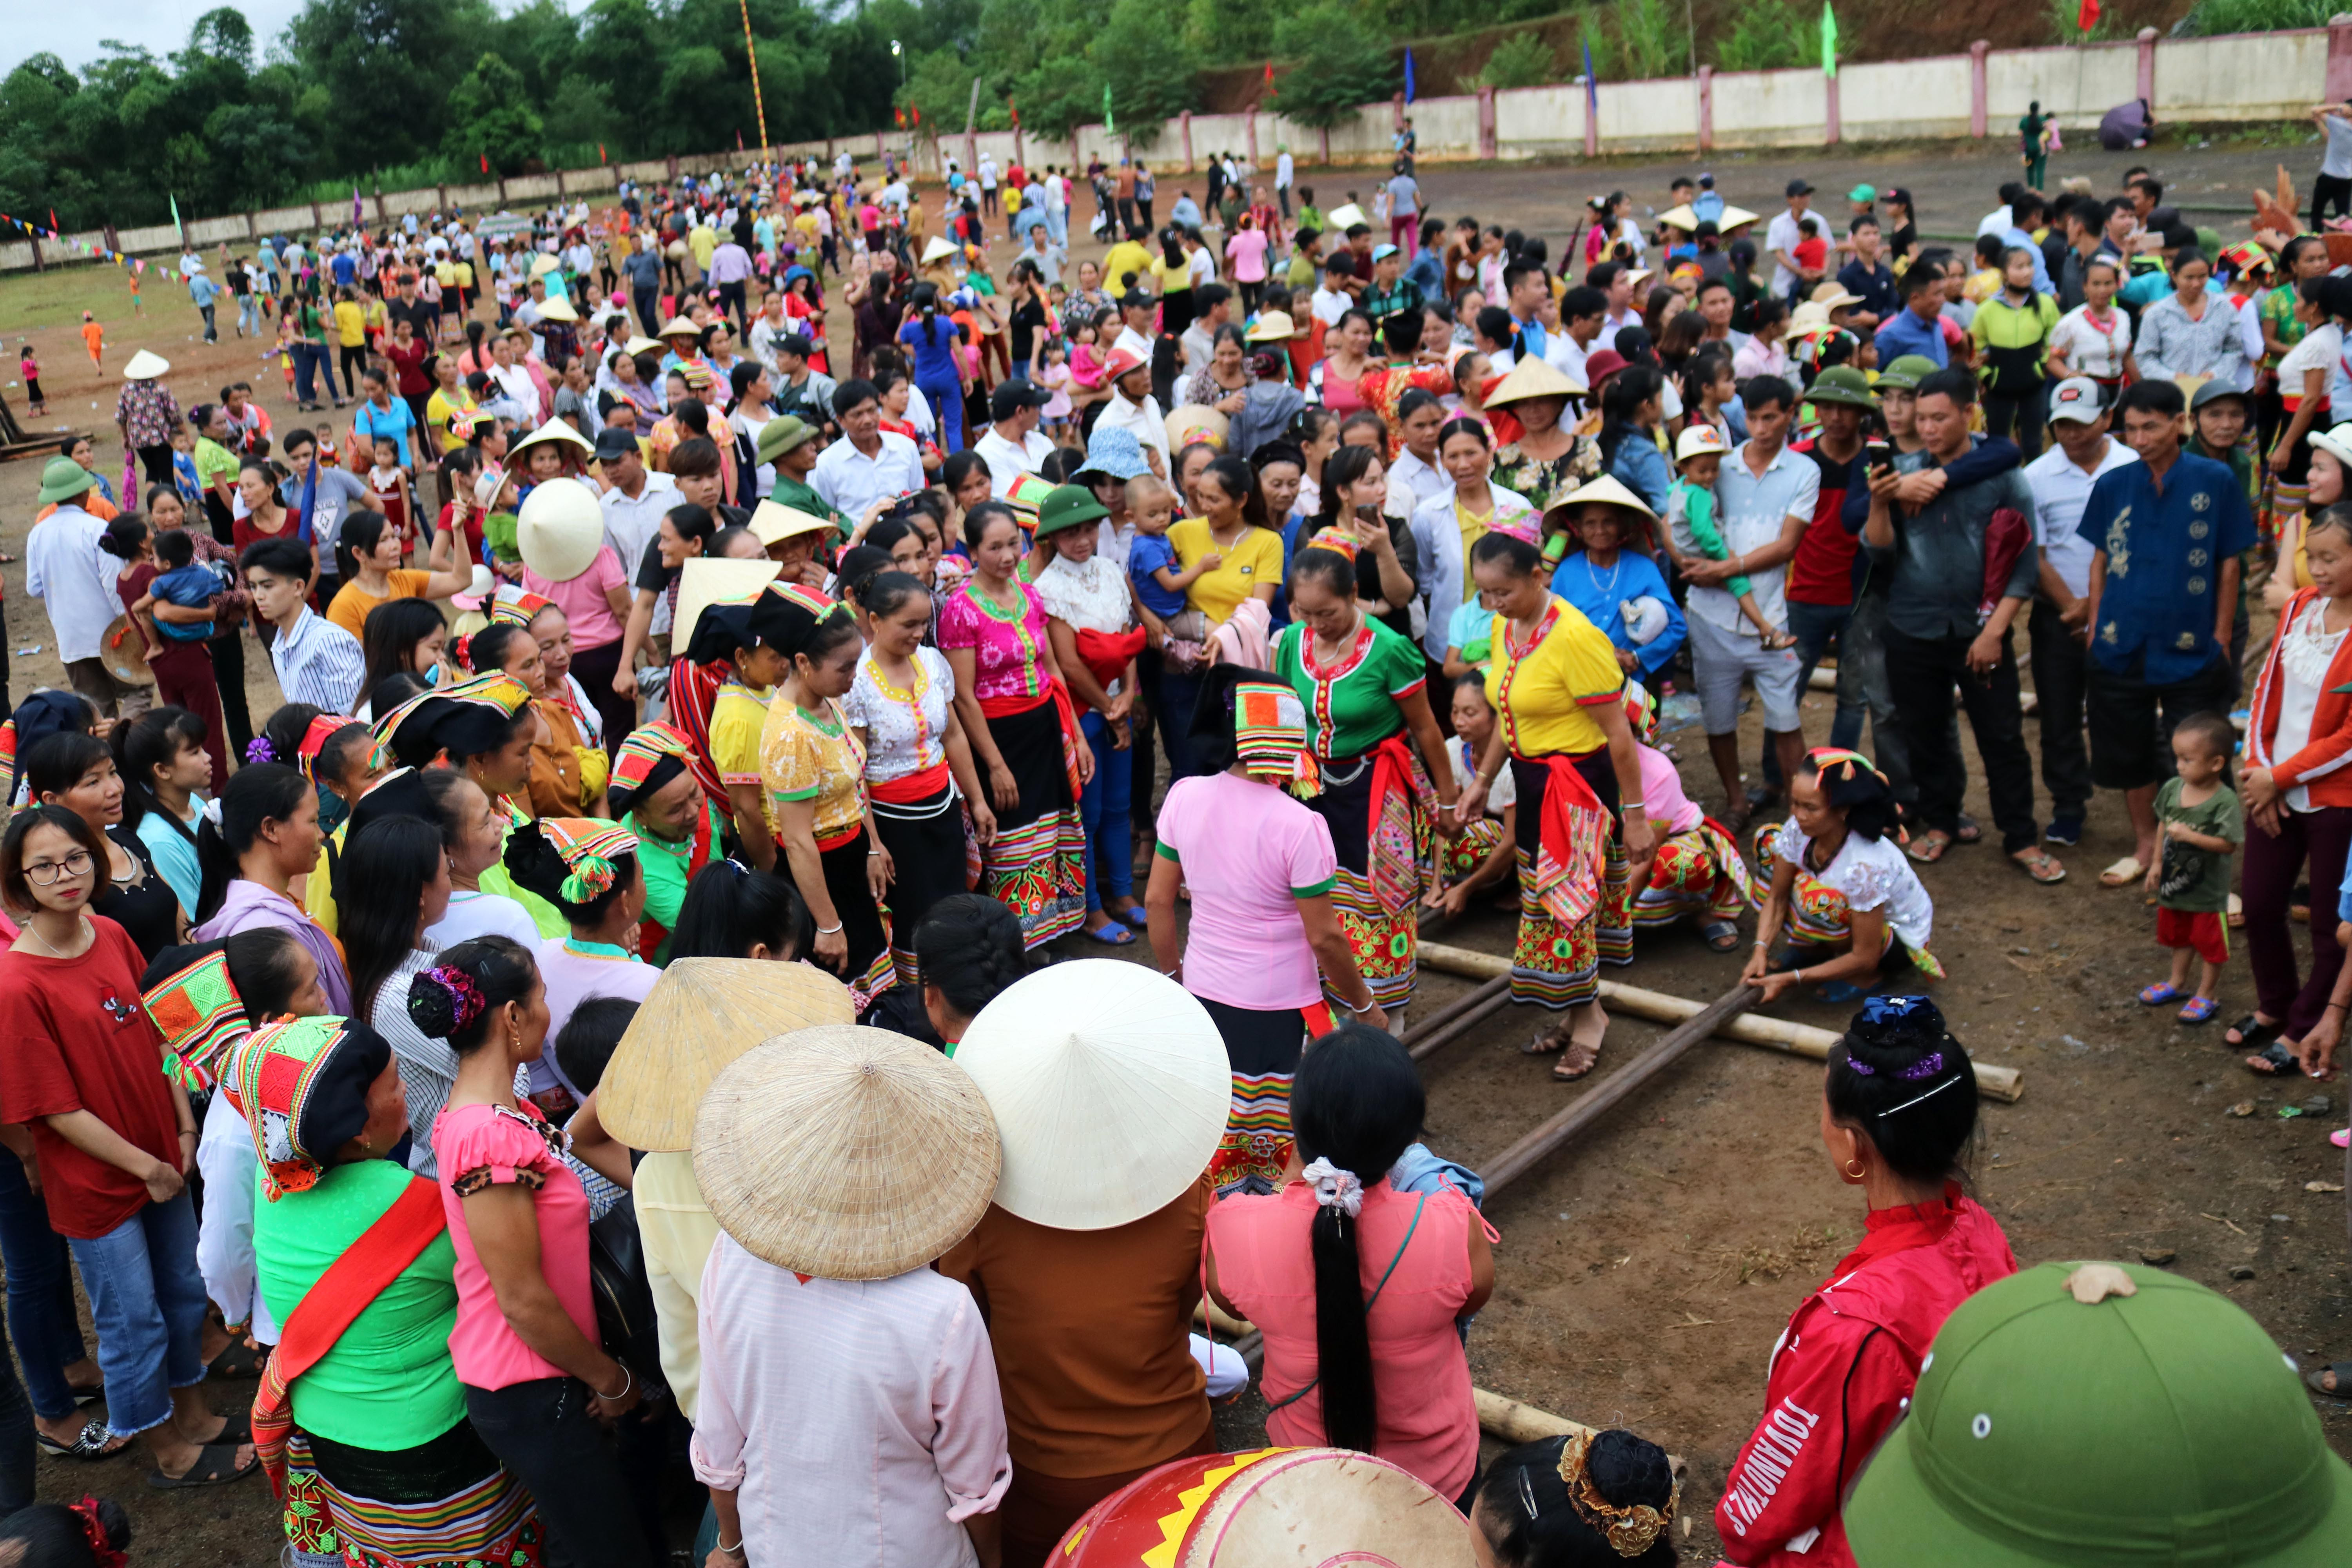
(538, 1387)
(594, 597)
(1247, 251)
(1264, 942)
(1357, 1287)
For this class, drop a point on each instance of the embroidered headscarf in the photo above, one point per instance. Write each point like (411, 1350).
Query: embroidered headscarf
(1270, 735)
(653, 755)
(324, 728)
(516, 606)
(786, 616)
(588, 846)
(201, 1016)
(465, 719)
(302, 1087)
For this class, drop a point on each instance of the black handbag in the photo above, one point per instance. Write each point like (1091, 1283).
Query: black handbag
(625, 1321)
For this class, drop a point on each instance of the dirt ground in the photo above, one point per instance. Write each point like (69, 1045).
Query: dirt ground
(1645, 1274)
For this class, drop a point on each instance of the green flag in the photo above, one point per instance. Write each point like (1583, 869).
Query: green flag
(1110, 126)
(182, 233)
(1829, 39)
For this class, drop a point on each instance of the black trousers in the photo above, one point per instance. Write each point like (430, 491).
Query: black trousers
(2059, 664)
(353, 358)
(155, 466)
(2018, 419)
(2327, 191)
(2132, 719)
(228, 673)
(1922, 672)
(542, 1432)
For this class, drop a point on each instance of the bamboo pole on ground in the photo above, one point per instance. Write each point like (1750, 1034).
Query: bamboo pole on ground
(2005, 1084)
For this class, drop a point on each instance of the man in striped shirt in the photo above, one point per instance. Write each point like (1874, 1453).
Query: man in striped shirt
(317, 661)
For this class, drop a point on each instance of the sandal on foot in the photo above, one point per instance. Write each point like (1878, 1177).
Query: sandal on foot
(2124, 873)
(216, 1463)
(2253, 1034)
(2158, 995)
(1112, 936)
(1723, 936)
(2341, 1370)
(2040, 865)
(90, 1445)
(2199, 1010)
(1969, 830)
(1930, 846)
(2282, 1062)
(1561, 1072)
(1546, 1042)
(240, 1360)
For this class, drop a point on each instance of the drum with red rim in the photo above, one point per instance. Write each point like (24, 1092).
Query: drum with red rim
(1271, 1508)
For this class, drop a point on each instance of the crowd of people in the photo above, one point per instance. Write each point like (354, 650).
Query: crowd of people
(663, 676)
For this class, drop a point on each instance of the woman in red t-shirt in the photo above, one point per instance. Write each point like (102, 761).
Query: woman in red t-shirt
(81, 1066)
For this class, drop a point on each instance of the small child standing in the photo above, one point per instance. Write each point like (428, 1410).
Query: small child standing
(185, 477)
(1813, 252)
(28, 365)
(2202, 826)
(1053, 375)
(389, 480)
(93, 337)
(1690, 517)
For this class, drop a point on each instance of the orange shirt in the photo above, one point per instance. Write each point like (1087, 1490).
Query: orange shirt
(97, 505)
(94, 336)
(349, 608)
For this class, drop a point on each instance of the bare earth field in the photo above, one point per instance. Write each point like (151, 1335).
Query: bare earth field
(1644, 1273)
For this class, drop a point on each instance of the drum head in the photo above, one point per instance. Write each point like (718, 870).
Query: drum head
(1327, 1507)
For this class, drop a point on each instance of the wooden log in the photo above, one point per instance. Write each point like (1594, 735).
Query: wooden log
(2005, 1084)
(1443, 1028)
(1530, 1151)
(1513, 1422)
(1475, 1000)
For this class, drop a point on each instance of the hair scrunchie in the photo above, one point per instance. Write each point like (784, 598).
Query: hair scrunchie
(590, 878)
(465, 998)
(1336, 1188)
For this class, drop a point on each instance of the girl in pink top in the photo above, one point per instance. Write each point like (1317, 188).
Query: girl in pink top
(539, 1386)
(1247, 251)
(1389, 1378)
(1697, 869)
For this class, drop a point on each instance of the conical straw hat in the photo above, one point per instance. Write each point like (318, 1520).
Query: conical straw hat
(1605, 490)
(1109, 1084)
(846, 1153)
(1532, 377)
(702, 1014)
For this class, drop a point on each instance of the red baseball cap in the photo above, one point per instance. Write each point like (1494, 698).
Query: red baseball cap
(1124, 360)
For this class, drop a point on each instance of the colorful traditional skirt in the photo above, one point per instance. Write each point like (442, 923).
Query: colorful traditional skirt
(1572, 918)
(1379, 807)
(447, 1504)
(1697, 871)
(1820, 916)
(1468, 849)
(921, 822)
(1263, 1047)
(864, 926)
(1037, 866)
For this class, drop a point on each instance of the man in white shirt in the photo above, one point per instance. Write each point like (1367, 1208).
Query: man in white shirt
(1283, 172)
(1616, 281)
(1583, 310)
(1137, 309)
(1782, 236)
(75, 580)
(2060, 479)
(1011, 445)
(1332, 301)
(1212, 304)
(988, 184)
(1056, 195)
(317, 661)
(636, 499)
(868, 464)
(1133, 408)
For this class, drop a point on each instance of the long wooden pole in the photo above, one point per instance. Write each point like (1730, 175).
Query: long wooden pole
(2005, 1084)
(757, 102)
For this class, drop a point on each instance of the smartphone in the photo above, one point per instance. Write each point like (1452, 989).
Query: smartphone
(1880, 455)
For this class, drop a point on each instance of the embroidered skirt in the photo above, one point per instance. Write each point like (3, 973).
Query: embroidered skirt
(1263, 1047)
(1557, 964)
(1381, 808)
(443, 1504)
(1820, 916)
(1037, 866)
(1698, 871)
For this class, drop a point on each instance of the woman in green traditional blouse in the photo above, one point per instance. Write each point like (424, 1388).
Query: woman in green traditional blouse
(1380, 755)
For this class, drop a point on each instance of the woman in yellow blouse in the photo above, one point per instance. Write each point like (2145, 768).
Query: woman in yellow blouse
(1560, 729)
(814, 771)
(1233, 527)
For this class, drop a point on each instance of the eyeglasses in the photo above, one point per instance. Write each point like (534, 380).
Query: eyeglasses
(46, 873)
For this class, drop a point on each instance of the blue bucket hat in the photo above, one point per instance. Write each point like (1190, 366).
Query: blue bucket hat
(1115, 453)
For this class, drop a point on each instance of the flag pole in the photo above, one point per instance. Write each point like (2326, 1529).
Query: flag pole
(752, 52)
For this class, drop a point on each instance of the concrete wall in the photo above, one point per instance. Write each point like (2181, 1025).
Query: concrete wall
(2241, 78)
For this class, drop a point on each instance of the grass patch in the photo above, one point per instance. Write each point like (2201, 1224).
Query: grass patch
(58, 296)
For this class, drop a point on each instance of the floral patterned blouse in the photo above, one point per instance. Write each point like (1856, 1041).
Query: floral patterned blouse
(1543, 483)
(1008, 649)
(906, 727)
(814, 756)
(147, 410)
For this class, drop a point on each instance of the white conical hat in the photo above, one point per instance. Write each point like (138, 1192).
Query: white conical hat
(845, 1152)
(145, 366)
(559, 529)
(1110, 1087)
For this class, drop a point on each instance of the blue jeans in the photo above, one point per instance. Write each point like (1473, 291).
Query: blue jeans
(1103, 807)
(41, 1320)
(1815, 627)
(147, 1298)
(946, 399)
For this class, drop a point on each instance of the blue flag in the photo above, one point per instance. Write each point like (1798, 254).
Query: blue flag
(1592, 80)
(1407, 74)
(309, 506)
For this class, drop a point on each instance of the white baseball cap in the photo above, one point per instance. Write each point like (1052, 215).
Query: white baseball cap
(2076, 398)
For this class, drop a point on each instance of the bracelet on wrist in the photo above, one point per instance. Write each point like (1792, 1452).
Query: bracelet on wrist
(832, 930)
(628, 1381)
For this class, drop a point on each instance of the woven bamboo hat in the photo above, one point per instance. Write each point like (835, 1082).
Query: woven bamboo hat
(846, 1153)
(1109, 1085)
(702, 1014)
(1532, 377)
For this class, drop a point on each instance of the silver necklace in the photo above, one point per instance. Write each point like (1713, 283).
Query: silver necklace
(81, 922)
(1614, 572)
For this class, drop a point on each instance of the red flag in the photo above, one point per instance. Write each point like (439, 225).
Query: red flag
(918, 115)
(485, 162)
(600, 152)
(2088, 17)
(1269, 79)
(1016, 112)
(738, 139)
(899, 115)
(54, 226)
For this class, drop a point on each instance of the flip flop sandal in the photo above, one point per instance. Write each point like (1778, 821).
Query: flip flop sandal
(2038, 865)
(1112, 936)
(2253, 1034)
(240, 1360)
(2124, 873)
(238, 1427)
(2343, 1372)
(1723, 936)
(1971, 831)
(1560, 1074)
(2158, 995)
(90, 1445)
(1138, 917)
(1930, 846)
(2282, 1062)
(2199, 1010)
(1836, 993)
(216, 1463)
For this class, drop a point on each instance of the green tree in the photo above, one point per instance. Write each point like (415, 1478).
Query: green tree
(1230, 31)
(385, 65)
(1334, 66)
(1151, 73)
(488, 117)
(1767, 35)
(1523, 59)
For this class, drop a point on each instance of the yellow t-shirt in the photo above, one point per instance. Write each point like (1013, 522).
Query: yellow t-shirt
(806, 756)
(703, 242)
(439, 409)
(464, 270)
(738, 717)
(444, 273)
(1544, 695)
(351, 324)
(1128, 256)
(1172, 279)
(1255, 559)
(352, 603)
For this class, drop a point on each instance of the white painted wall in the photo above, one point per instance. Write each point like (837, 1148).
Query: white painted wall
(2246, 76)
(1887, 101)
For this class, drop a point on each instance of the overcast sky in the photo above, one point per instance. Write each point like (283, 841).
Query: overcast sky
(72, 32)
